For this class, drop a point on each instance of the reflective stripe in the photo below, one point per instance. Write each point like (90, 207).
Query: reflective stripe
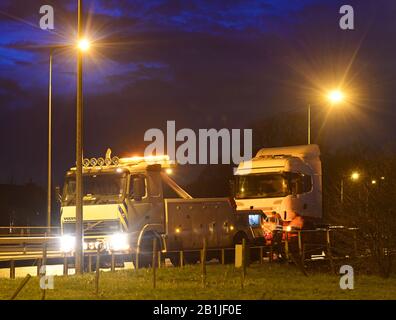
(123, 215)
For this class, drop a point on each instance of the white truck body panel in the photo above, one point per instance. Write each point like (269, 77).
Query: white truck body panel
(302, 160)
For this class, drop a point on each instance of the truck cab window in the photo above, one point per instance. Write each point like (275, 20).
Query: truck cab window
(131, 183)
(300, 183)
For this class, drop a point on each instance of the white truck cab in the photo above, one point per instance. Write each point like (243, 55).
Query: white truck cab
(286, 182)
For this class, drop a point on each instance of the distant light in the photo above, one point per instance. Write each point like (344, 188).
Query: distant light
(373, 181)
(288, 228)
(177, 230)
(382, 178)
(169, 171)
(231, 228)
(335, 96)
(355, 176)
(83, 45)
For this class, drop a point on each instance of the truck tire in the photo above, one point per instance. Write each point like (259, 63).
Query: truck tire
(174, 258)
(146, 250)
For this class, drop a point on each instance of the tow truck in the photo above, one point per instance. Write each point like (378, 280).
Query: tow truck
(128, 202)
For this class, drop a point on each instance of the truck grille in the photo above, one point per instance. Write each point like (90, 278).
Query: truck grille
(101, 227)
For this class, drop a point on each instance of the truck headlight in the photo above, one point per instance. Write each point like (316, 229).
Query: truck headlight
(119, 242)
(67, 243)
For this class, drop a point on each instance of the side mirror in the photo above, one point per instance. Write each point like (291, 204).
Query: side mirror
(139, 189)
(58, 194)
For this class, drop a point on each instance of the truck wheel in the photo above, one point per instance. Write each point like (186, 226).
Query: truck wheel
(175, 259)
(146, 251)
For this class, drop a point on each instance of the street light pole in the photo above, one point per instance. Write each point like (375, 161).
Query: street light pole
(49, 186)
(79, 255)
(309, 124)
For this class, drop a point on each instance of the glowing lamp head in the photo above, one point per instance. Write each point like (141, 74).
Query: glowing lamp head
(355, 176)
(83, 45)
(335, 96)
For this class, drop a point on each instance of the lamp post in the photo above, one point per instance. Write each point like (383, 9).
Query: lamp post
(49, 186)
(52, 50)
(79, 254)
(334, 97)
(355, 176)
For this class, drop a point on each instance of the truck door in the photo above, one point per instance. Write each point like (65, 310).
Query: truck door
(146, 208)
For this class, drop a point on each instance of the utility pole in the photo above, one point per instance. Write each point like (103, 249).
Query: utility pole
(309, 124)
(49, 185)
(79, 255)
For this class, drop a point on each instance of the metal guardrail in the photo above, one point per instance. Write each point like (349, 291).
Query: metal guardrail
(28, 230)
(17, 248)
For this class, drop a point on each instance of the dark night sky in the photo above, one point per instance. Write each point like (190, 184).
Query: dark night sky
(203, 63)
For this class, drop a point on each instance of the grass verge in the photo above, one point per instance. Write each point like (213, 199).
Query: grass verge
(268, 281)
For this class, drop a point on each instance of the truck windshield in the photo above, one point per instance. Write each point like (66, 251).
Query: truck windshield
(268, 185)
(97, 189)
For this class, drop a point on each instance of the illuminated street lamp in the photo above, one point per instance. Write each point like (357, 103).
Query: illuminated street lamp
(355, 176)
(335, 96)
(83, 45)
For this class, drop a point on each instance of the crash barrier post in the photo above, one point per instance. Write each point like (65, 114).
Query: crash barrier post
(21, 286)
(90, 263)
(243, 266)
(43, 268)
(203, 263)
(244, 262)
(287, 245)
(301, 252)
(154, 262)
(328, 251)
(12, 269)
(137, 259)
(97, 270)
(65, 265)
(112, 262)
(39, 264)
(181, 258)
(159, 259)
